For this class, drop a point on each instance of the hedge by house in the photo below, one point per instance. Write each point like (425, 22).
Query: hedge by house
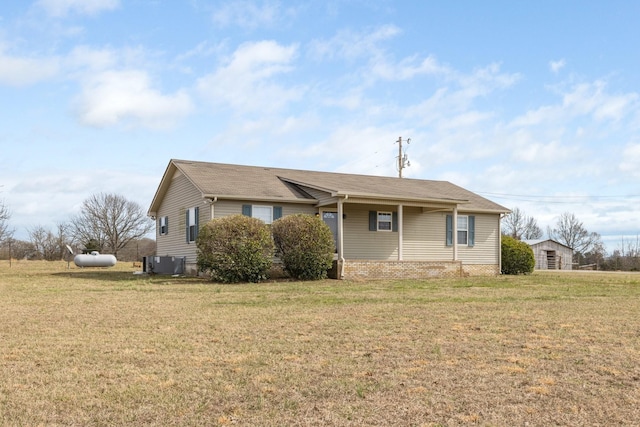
(517, 256)
(235, 248)
(305, 245)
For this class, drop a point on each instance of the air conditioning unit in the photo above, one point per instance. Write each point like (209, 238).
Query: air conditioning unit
(164, 264)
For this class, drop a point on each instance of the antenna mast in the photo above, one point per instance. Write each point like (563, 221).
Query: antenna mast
(403, 160)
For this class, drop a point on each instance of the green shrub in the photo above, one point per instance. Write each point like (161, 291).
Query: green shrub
(234, 249)
(305, 245)
(517, 256)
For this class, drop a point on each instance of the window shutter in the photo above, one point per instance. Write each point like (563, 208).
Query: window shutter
(449, 230)
(166, 224)
(373, 221)
(187, 224)
(394, 221)
(277, 212)
(472, 230)
(246, 210)
(197, 221)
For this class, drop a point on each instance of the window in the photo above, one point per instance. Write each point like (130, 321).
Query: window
(263, 213)
(164, 225)
(192, 221)
(268, 214)
(462, 230)
(466, 230)
(384, 221)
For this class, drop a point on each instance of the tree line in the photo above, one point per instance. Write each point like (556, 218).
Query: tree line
(106, 222)
(588, 248)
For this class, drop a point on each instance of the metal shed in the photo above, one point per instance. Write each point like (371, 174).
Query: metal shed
(551, 255)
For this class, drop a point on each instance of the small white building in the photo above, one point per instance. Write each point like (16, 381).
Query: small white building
(551, 255)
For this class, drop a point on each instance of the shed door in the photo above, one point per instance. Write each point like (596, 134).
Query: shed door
(551, 260)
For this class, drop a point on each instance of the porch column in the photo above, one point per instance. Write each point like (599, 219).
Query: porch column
(455, 233)
(340, 241)
(400, 233)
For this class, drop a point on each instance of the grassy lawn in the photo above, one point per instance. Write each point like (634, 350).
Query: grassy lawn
(106, 347)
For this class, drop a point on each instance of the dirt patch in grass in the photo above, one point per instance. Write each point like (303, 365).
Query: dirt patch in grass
(107, 347)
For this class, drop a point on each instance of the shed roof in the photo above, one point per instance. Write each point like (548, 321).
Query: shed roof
(538, 241)
(287, 185)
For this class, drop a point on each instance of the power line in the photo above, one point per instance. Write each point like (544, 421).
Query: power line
(568, 199)
(621, 196)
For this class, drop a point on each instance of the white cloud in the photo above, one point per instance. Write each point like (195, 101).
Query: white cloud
(631, 160)
(60, 8)
(23, 71)
(249, 14)
(246, 82)
(128, 98)
(556, 66)
(351, 46)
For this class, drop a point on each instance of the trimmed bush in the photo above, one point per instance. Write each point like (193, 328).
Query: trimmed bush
(234, 249)
(517, 256)
(305, 245)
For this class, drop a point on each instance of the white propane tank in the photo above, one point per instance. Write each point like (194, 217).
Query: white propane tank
(94, 259)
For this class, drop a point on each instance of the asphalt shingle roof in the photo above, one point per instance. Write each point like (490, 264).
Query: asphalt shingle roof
(254, 182)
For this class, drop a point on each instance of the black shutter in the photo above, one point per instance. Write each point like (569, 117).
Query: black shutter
(449, 230)
(373, 221)
(277, 212)
(246, 210)
(394, 221)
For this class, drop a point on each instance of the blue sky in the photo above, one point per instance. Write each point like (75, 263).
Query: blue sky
(532, 104)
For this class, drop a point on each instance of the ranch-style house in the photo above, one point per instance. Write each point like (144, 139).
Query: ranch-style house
(383, 227)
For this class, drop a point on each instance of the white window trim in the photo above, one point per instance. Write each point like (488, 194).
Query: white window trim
(253, 213)
(163, 224)
(192, 223)
(465, 230)
(390, 221)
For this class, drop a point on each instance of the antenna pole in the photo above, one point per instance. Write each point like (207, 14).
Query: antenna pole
(403, 160)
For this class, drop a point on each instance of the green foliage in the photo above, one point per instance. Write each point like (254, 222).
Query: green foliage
(517, 256)
(305, 245)
(234, 249)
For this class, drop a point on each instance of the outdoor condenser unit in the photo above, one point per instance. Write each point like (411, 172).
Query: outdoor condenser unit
(164, 264)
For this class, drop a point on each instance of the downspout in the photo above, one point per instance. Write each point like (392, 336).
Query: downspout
(211, 209)
(500, 242)
(455, 233)
(341, 235)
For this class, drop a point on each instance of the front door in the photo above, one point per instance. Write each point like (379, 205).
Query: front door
(331, 219)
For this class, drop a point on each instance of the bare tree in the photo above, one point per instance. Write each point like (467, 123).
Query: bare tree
(520, 226)
(570, 231)
(5, 215)
(49, 245)
(110, 221)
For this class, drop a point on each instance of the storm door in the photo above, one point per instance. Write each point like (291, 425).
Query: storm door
(331, 219)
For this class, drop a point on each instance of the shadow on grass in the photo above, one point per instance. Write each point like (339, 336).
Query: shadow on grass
(127, 276)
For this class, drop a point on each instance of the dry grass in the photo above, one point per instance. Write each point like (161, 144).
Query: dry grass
(106, 347)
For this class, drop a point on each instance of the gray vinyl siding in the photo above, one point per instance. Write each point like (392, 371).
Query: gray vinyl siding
(322, 197)
(423, 237)
(224, 208)
(180, 196)
(487, 243)
(360, 243)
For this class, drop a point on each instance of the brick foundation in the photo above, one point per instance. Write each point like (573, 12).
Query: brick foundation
(363, 269)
